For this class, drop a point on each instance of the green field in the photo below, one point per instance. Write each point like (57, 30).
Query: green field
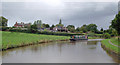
(13, 39)
(110, 46)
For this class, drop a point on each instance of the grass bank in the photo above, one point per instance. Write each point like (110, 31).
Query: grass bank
(94, 38)
(115, 41)
(16, 39)
(111, 47)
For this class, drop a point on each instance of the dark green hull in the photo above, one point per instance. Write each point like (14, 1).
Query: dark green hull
(77, 39)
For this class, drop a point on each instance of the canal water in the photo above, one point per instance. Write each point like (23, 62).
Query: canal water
(59, 52)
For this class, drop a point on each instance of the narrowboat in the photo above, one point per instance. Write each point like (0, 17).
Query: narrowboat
(78, 37)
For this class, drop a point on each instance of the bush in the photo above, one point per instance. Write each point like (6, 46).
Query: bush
(19, 30)
(5, 28)
(106, 35)
(114, 33)
(58, 33)
(81, 31)
(99, 32)
(31, 30)
(91, 34)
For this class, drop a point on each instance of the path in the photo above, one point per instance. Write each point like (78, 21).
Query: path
(113, 44)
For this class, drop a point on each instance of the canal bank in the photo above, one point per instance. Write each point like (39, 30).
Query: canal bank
(34, 43)
(12, 40)
(15, 39)
(111, 48)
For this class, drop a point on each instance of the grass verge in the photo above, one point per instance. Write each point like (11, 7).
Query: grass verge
(94, 38)
(16, 39)
(109, 46)
(115, 41)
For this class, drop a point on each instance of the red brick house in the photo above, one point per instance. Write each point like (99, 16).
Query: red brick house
(21, 24)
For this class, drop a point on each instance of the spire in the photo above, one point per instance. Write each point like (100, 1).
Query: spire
(60, 21)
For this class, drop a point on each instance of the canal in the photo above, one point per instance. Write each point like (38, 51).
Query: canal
(60, 52)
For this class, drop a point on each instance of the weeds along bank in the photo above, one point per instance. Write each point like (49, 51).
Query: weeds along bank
(16, 39)
(112, 46)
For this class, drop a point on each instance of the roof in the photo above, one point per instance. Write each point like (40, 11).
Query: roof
(22, 24)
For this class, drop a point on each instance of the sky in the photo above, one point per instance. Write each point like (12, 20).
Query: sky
(72, 12)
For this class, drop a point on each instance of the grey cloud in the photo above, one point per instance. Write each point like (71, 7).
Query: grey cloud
(89, 14)
(78, 13)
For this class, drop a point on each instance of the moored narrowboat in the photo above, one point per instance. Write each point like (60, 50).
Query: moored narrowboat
(78, 37)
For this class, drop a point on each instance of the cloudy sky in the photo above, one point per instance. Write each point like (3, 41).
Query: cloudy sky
(75, 12)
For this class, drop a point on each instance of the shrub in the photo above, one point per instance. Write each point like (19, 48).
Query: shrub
(106, 35)
(91, 34)
(81, 31)
(5, 28)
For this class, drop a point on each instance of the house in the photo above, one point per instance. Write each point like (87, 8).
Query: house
(60, 29)
(21, 24)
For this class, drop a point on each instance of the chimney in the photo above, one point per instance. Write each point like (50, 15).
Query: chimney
(16, 22)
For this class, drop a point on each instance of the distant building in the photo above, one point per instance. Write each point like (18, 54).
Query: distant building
(21, 24)
(60, 29)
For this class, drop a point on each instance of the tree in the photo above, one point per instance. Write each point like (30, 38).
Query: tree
(33, 28)
(106, 35)
(110, 30)
(38, 23)
(60, 24)
(84, 28)
(101, 29)
(114, 32)
(116, 23)
(51, 28)
(45, 25)
(3, 21)
(92, 28)
(78, 29)
(71, 28)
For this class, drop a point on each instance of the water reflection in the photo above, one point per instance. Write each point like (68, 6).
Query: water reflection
(59, 52)
(92, 44)
(72, 42)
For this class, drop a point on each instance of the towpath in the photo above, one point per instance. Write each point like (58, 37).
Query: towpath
(113, 44)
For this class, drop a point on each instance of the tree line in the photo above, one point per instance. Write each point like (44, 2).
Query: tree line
(114, 28)
(38, 24)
